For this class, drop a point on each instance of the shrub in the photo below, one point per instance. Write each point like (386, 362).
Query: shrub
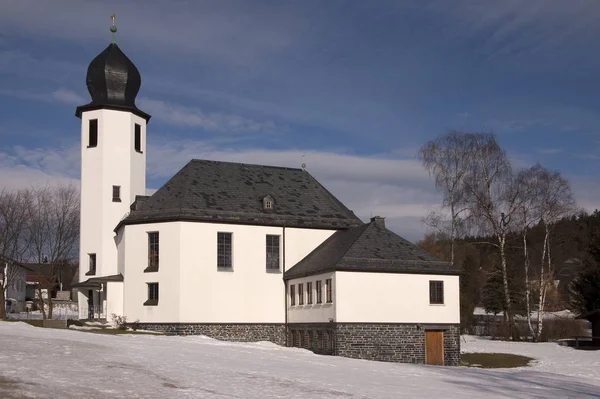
(561, 328)
(120, 322)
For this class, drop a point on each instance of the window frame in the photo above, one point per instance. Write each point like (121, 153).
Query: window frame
(92, 264)
(270, 252)
(152, 299)
(300, 294)
(137, 138)
(329, 290)
(116, 190)
(292, 294)
(436, 292)
(309, 294)
(153, 258)
(227, 263)
(92, 133)
(319, 291)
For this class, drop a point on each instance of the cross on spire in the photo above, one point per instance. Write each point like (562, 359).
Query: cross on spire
(113, 27)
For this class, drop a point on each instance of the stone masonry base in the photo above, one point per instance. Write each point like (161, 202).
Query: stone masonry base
(225, 332)
(403, 343)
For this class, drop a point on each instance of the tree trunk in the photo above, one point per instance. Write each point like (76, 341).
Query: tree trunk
(542, 294)
(507, 302)
(42, 301)
(2, 302)
(452, 231)
(527, 287)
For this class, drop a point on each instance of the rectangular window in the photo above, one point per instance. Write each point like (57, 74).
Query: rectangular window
(300, 294)
(272, 252)
(328, 284)
(116, 194)
(138, 138)
(292, 295)
(309, 293)
(153, 252)
(436, 292)
(319, 291)
(93, 133)
(152, 294)
(224, 250)
(92, 264)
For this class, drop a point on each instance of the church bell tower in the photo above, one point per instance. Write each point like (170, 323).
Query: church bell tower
(113, 172)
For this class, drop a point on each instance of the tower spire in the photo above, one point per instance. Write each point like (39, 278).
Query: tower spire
(113, 27)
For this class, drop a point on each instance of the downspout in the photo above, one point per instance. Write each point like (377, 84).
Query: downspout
(285, 290)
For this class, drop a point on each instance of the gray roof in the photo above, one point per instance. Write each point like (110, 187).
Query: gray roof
(369, 248)
(225, 192)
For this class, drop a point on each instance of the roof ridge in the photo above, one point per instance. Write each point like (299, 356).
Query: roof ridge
(246, 164)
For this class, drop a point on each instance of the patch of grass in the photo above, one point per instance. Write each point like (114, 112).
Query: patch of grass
(494, 360)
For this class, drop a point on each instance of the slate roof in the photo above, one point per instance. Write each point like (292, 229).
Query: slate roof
(226, 192)
(369, 248)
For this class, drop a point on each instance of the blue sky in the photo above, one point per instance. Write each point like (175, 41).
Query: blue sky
(356, 86)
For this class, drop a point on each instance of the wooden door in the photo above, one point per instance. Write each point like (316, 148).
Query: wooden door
(434, 347)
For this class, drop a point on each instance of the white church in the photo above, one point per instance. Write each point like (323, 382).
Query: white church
(245, 252)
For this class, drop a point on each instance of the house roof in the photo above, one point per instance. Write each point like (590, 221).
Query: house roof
(14, 262)
(369, 248)
(226, 192)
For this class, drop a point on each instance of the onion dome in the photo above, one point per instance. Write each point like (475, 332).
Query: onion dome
(113, 81)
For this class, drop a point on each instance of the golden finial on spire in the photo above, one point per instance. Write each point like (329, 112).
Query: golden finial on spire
(113, 27)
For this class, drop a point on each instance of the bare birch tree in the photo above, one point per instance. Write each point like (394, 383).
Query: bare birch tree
(556, 202)
(448, 159)
(53, 226)
(528, 214)
(492, 195)
(13, 208)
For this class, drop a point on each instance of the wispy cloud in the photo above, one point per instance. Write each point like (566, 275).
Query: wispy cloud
(179, 115)
(61, 95)
(550, 151)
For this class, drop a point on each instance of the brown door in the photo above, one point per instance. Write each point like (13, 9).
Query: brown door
(434, 347)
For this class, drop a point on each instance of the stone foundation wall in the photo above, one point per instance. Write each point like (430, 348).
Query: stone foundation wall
(225, 332)
(403, 343)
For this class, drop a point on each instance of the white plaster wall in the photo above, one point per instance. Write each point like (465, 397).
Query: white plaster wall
(114, 299)
(113, 162)
(301, 242)
(247, 294)
(315, 313)
(135, 289)
(393, 298)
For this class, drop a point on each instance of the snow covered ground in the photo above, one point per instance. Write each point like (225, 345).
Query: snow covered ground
(45, 363)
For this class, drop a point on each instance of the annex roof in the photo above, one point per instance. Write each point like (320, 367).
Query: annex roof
(369, 248)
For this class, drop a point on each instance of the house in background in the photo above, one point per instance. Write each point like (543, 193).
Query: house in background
(245, 252)
(14, 280)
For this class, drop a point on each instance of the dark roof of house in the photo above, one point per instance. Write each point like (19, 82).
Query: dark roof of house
(226, 192)
(14, 262)
(369, 248)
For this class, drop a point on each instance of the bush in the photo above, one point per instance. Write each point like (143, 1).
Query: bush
(135, 325)
(120, 322)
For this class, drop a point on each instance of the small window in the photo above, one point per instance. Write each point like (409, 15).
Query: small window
(92, 265)
(300, 294)
(138, 138)
(272, 252)
(292, 295)
(328, 284)
(224, 251)
(116, 194)
(309, 293)
(436, 292)
(268, 204)
(153, 252)
(319, 291)
(93, 133)
(152, 294)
